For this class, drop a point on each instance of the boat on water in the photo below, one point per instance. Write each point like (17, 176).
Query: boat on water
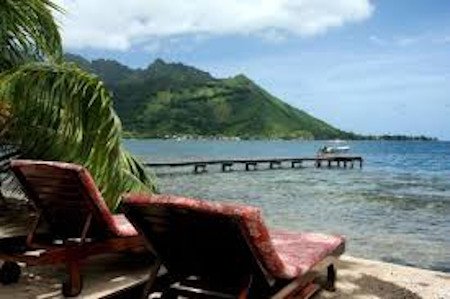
(336, 148)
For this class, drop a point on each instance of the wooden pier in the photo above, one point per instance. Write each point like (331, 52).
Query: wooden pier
(252, 164)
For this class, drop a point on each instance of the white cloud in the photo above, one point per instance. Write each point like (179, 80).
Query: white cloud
(272, 36)
(118, 24)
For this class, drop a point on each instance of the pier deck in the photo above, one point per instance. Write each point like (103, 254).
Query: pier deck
(272, 163)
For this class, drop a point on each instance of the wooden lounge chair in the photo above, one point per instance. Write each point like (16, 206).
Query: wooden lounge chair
(221, 250)
(79, 223)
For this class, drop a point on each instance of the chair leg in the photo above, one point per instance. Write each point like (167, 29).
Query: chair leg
(9, 272)
(169, 294)
(73, 285)
(3, 202)
(151, 278)
(331, 278)
(245, 289)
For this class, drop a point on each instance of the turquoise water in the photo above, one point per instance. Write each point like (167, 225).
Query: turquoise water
(396, 208)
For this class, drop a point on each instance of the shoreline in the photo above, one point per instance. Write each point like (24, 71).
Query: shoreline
(244, 138)
(357, 278)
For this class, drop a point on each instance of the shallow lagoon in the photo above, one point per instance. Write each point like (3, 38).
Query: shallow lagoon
(397, 208)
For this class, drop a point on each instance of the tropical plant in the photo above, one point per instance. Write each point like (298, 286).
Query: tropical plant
(53, 110)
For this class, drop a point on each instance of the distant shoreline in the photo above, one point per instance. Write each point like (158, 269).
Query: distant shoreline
(182, 137)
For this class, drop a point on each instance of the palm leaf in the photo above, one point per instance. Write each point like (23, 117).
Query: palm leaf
(28, 32)
(59, 112)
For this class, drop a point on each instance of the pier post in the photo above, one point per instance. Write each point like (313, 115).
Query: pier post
(329, 163)
(227, 166)
(360, 163)
(294, 163)
(345, 163)
(199, 168)
(273, 163)
(248, 164)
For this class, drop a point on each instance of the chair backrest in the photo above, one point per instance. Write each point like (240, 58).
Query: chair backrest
(195, 237)
(66, 195)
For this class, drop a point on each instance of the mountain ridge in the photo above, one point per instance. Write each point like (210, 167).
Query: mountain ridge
(167, 99)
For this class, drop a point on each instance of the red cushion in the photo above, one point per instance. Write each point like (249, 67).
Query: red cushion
(281, 253)
(117, 225)
(301, 251)
(122, 227)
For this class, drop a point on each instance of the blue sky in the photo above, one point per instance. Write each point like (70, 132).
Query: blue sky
(371, 67)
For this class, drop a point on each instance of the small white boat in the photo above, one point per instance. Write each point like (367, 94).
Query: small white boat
(333, 149)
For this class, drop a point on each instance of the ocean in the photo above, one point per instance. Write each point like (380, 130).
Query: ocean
(395, 209)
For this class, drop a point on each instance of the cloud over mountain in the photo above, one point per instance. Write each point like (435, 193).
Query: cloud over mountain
(120, 25)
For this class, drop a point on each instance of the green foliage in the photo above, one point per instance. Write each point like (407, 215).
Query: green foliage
(52, 110)
(60, 112)
(174, 99)
(27, 32)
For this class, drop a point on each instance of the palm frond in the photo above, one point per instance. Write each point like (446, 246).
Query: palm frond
(59, 112)
(28, 32)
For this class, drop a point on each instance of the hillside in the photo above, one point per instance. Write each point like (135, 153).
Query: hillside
(175, 99)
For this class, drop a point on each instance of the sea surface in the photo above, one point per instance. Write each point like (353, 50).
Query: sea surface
(396, 208)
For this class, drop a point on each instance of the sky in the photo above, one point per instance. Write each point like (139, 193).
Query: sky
(367, 66)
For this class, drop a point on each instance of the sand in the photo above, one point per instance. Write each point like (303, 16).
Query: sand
(357, 278)
(366, 279)
(103, 275)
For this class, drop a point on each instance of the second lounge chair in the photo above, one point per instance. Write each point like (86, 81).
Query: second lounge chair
(214, 250)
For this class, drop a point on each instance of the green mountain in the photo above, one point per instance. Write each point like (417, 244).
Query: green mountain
(175, 99)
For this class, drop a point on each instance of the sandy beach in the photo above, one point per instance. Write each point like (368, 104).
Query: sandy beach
(357, 278)
(367, 279)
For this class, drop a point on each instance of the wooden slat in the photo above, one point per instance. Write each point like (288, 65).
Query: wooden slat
(38, 173)
(56, 189)
(55, 181)
(61, 183)
(73, 203)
